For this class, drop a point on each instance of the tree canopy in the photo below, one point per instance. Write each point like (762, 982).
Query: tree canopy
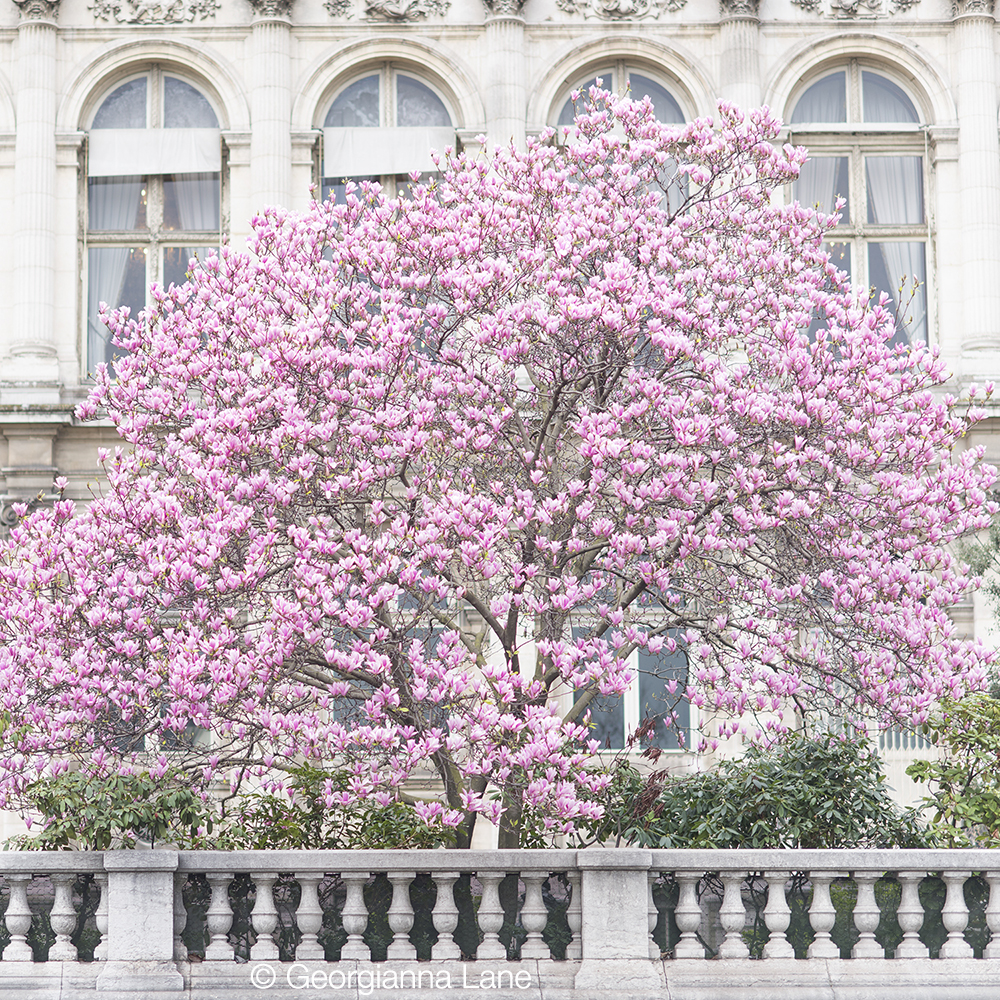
(409, 485)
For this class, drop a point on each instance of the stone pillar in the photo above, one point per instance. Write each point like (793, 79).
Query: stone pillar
(140, 923)
(271, 104)
(33, 366)
(973, 52)
(615, 924)
(740, 76)
(506, 94)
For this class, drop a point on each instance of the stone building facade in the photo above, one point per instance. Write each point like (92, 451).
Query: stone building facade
(135, 134)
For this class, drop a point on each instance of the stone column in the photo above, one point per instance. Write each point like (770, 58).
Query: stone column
(973, 52)
(271, 104)
(33, 365)
(506, 94)
(740, 76)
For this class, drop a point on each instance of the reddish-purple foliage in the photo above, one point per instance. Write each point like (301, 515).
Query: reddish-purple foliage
(397, 485)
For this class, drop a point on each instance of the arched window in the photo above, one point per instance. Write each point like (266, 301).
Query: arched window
(866, 146)
(153, 193)
(620, 77)
(382, 127)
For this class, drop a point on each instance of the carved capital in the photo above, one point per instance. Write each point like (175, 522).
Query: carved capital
(621, 10)
(404, 10)
(154, 11)
(272, 8)
(984, 7)
(38, 10)
(501, 7)
(745, 8)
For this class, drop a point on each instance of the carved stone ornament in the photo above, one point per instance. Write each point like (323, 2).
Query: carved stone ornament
(972, 7)
(154, 11)
(338, 8)
(501, 7)
(272, 8)
(38, 10)
(404, 10)
(859, 8)
(620, 10)
(748, 8)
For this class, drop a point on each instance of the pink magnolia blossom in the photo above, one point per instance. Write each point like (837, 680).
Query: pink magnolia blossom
(407, 486)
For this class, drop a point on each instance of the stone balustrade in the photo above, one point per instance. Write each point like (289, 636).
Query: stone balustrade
(532, 923)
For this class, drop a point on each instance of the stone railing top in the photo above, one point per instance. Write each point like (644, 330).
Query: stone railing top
(881, 860)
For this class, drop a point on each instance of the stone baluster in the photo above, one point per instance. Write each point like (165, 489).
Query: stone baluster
(18, 920)
(688, 916)
(355, 916)
(822, 916)
(219, 918)
(264, 917)
(993, 914)
(534, 916)
(777, 916)
(654, 916)
(309, 917)
(101, 918)
(490, 917)
(866, 917)
(401, 916)
(180, 917)
(574, 916)
(910, 916)
(445, 916)
(733, 916)
(955, 916)
(62, 918)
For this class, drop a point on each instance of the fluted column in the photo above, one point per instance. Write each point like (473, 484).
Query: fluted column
(740, 76)
(506, 95)
(979, 172)
(271, 104)
(31, 342)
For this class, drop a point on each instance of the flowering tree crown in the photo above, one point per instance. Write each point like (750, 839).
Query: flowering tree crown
(413, 483)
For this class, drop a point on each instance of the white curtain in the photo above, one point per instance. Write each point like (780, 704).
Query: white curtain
(817, 183)
(112, 205)
(106, 267)
(198, 201)
(884, 101)
(824, 101)
(895, 197)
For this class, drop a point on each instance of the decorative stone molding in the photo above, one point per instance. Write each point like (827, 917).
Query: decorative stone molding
(338, 8)
(154, 11)
(404, 10)
(38, 10)
(272, 8)
(984, 7)
(622, 10)
(862, 8)
(745, 8)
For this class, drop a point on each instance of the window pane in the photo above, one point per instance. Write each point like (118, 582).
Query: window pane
(569, 110)
(356, 106)
(185, 107)
(417, 104)
(607, 721)
(899, 270)
(337, 186)
(191, 202)
(177, 262)
(666, 108)
(124, 107)
(824, 101)
(656, 701)
(822, 180)
(883, 101)
(116, 203)
(895, 190)
(117, 276)
(840, 255)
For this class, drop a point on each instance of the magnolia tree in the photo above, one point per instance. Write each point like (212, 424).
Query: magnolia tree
(407, 488)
